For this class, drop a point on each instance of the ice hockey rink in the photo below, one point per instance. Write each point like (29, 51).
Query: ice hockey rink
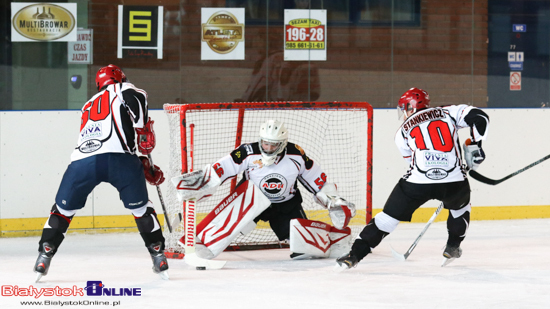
(504, 265)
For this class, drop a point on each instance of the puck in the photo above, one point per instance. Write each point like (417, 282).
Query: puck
(201, 267)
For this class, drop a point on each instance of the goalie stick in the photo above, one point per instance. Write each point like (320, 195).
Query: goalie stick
(403, 257)
(189, 245)
(477, 176)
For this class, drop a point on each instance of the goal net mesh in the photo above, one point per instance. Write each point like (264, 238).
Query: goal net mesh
(336, 135)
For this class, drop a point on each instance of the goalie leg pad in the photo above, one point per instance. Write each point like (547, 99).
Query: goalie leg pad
(232, 216)
(56, 227)
(317, 239)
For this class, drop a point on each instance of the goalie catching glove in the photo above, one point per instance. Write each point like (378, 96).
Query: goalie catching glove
(340, 210)
(196, 185)
(146, 137)
(154, 176)
(473, 154)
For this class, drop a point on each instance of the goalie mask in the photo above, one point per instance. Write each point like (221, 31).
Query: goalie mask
(109, 75)
(411, 101)
(273, 140)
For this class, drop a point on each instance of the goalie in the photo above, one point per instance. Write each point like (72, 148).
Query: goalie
(272, 166)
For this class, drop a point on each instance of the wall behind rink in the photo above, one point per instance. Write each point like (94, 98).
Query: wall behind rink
(35, 150)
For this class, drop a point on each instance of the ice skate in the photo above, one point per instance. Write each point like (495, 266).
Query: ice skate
(160, 264)
(43, 261)
(346, 262)
(450, 254)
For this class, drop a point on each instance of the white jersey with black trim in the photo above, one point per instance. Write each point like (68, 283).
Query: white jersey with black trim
(428, 141)
(107, 122)
(277, 181)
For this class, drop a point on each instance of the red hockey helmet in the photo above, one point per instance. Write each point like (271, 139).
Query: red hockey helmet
(109, 75)
(413, 99)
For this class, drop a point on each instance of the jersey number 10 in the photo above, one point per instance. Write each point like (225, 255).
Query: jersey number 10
(439, 134)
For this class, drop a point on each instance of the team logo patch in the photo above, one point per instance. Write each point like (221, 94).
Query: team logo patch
(273, 185)
(436, 174)
(93, 130)
(258, 163)
(436, 159)
(90, 146)
(300, 149)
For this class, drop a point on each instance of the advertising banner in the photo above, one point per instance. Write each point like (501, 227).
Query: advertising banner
(305, 35)
(43, 22)
(222, 34)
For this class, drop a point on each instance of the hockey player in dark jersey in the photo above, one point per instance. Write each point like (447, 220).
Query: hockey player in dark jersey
(428, 141)
(275, 166)
(106, 152)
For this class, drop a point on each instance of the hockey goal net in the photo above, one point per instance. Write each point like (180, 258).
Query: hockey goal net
(337, 135)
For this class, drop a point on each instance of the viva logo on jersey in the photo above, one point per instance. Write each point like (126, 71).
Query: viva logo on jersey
(92, 130)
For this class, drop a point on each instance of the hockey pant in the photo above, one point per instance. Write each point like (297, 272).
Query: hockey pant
(232, 217)
(318, 239)
(408, 197)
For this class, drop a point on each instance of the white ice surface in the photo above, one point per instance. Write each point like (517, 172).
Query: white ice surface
(505, 264)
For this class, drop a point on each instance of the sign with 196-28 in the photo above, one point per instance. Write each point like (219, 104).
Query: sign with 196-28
(305, 35)
(32, 22)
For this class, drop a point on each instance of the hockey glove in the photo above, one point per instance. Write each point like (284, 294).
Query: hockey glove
(473, 154)
(155, 177)
(146, 138)
(340, 210)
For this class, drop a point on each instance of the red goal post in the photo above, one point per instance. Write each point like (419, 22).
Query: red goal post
(337, 135)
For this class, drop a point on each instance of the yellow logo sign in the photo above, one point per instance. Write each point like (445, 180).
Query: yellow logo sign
(43, 21)
(222, 32)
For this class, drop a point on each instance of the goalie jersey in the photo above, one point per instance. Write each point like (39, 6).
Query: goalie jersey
(428, 141)
(107, 123)
(277, 181)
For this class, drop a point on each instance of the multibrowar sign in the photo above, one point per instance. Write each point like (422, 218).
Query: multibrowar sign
(31, 22)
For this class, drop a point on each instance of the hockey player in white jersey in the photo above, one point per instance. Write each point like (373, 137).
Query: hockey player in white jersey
(428, 141)
(274, 166)
(106, 152)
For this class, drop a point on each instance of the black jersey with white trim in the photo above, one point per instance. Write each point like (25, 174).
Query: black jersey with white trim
(277, 181)
(428, 141)
(108, 123)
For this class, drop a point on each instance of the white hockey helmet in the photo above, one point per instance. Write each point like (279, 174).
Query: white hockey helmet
(273, 140)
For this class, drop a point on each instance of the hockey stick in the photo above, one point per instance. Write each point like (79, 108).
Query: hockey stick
(189, 245)
(166, 216)
(477, 176)
(403, 257)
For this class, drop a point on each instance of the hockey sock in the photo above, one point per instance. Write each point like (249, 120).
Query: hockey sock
(55, 228)
(457, 225)
(149, 227)
(370, 237)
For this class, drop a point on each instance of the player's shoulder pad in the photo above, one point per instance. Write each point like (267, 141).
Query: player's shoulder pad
(238, 155)
(294, 149)
(134, 94)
